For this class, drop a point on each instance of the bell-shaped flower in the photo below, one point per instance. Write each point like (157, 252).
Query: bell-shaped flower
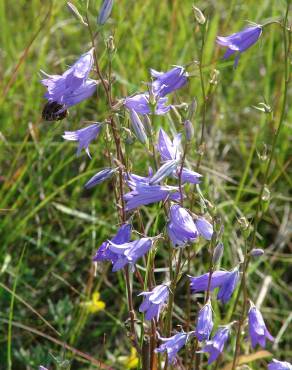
(228, 287)
(204, 228)
(240, 41)
(258, 331)
(154, 301)
(104, 253)
(173, 344)
(279, 365)
(225, 280)
(84, 137)
(169, 149)
(181, 228)
(140, 104)
(167, 82)
(129, 253)
(204, 323)
(73, 86)
(215, 346)
(143, 193)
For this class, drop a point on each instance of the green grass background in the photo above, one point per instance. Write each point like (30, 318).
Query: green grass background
(50, 227)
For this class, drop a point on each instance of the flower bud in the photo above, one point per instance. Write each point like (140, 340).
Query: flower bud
(189, 129)
(165, 170)
(147, 124)
(101, 176)
(200, 18)
(105, 11)
(138, 127)
(218, 252)
(257, 252)
(72, 8)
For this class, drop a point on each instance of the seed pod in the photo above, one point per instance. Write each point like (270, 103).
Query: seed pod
(200, 18)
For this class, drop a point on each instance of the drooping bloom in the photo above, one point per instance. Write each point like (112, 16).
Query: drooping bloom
(181, 228)
(215, 346)
(227, 288)
(204, 323)
(258, 331)
(73, 86)
(173, 344)
(129, 253)
(101, 176)
(140, 104)
(84, 137)
(105, 11)
(200, 283)
(204, 228)
(154, 301)
(167, 82)
(168, 149)
(279, 365)
(240, 41)
(142, 193)
(104, 253)
(225, 280)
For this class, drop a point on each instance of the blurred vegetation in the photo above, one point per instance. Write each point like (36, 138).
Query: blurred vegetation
(51, 227)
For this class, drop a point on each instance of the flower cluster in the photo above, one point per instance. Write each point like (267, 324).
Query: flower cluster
(168, 185)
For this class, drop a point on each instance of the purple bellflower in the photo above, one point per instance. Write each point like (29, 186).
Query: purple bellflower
(140, 104)
(257, 328)
(169, 150)
(73, 86)
(240, 41)
(104, 253)
(215, 346)
(154, 301)
(84, 137)
(100, 177)
(105, 11)
(181, 228)
(173, 344)
(204, 228)
(204, 323)
(166, 82)
(279, 365)
(225, 280)
(142, 193)
(130, 252)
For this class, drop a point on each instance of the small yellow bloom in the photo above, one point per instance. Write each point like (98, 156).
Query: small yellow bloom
(131, 361)
(95, 305)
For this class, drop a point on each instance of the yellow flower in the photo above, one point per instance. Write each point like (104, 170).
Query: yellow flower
(94, 305)
(131, 361)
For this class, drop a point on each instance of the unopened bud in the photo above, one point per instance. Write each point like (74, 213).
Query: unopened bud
(138, 127)
(165, 170)
(257, 252)
(218, 252)
(200, 18)
(189, 129)
(72, 8)
(105, 11)
(147, 124)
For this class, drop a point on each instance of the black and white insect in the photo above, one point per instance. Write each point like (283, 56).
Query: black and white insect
(54, 111)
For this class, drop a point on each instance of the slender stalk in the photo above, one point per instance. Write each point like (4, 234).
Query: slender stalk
(258, 215)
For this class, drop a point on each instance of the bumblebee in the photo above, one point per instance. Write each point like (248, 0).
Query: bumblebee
(54, 111)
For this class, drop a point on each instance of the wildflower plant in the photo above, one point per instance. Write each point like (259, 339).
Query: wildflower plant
(191, 227)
